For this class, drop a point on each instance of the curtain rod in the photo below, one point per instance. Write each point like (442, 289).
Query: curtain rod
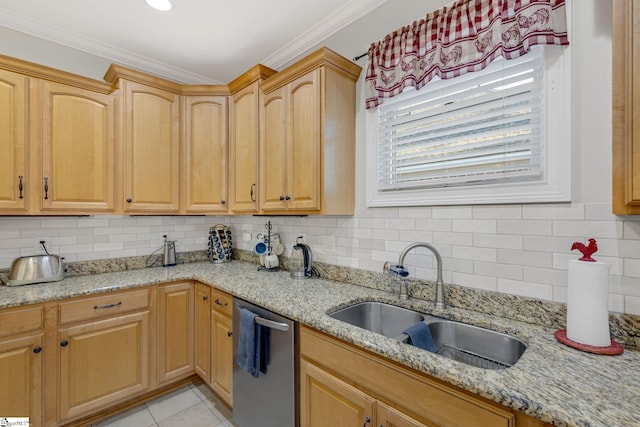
(355, 58)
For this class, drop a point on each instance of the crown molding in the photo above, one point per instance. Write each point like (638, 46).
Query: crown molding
(63, 37)
(350, 12)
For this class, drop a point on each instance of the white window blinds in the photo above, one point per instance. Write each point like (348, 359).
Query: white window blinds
(483, 127)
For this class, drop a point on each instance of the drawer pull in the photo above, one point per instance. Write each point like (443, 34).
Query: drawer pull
(37, 350)
(367, 420)
(229, 333)
(20, 186)
(64, 343)
(98, 307)
(224, 304)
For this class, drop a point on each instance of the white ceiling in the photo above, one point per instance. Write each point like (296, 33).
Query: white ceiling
(199, 41)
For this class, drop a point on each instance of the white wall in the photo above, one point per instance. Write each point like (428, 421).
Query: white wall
(518, 249)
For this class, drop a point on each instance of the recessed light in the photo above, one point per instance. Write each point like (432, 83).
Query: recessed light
(161, 5)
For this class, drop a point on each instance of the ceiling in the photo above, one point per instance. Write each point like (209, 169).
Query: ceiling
(199, 41)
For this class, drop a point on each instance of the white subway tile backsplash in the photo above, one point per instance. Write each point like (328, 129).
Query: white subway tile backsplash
(583, 230)
(519, 249)
(632, 305)
(473, 225)
(525, 227)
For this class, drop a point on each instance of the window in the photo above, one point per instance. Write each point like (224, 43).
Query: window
(500, 135)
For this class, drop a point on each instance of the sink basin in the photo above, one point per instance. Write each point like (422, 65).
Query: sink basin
(384, 319)
(475, 346)
(458, 341)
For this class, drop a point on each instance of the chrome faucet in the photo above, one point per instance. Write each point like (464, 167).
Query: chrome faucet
(440, 303)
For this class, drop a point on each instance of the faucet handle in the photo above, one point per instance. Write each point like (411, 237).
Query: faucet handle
(394, 269)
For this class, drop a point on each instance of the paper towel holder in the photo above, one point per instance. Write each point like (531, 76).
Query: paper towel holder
(561, 335)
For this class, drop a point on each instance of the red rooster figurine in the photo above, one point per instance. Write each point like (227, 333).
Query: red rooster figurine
(587, 250)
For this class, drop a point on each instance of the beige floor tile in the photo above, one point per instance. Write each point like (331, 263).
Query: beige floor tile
(195, 416)
(172, 403)
(138, 416)
(203, 391)
(219, 408)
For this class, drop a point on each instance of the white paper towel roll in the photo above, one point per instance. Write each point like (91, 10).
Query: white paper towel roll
(587, 303)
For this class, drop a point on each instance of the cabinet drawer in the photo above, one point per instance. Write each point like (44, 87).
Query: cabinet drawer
(221, 302)
(104, 305)
(21, 320)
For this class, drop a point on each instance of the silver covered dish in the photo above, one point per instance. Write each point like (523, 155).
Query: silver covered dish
(35, 269)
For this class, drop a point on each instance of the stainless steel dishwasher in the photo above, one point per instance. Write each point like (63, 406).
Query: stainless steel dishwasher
(270, 399)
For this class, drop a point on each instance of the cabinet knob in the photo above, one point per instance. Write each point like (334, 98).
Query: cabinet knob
(64, 343)
(37, 350)
(287, 197)
(367, 420)
(129, 200)
(204, 298)
(229, 333)
(222, 202)
(281, 197)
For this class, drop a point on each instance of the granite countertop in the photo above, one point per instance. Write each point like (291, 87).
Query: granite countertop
(550, 382)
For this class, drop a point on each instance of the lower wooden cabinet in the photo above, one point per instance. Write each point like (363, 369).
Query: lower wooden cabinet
(102, 362)
(202, 336)
(21, 363)
(175, 331)
(222, 345)
(343, 385)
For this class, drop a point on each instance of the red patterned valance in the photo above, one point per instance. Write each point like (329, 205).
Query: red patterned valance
(463, 37)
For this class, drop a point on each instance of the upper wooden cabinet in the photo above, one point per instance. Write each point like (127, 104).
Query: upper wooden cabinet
(13, 134)
(243, 143)
(626, 107)
(205, 147)
(77, 149)
(307, 142)
(151, 142)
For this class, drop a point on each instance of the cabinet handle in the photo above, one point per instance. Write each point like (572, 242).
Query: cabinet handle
(229, 333)
(46, 188)
(98, 307)
(287, 197)
(37, 350)
(222, 202)
(224, 304)
(20, 185)
(281, 197)
(64, 343)
(204, 298)
(129, 200)
(367, 420)
(253, 199)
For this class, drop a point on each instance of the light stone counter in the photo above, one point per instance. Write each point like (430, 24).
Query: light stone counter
(551, 382)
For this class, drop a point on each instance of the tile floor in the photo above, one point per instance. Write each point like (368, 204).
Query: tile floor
(193, 405)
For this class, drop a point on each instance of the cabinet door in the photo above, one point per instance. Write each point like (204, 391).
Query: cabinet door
(13, 135)
(203, 332)
(303, 142)
(151, 127)
(77, 149)
(273, 152)
(243, 150)
(175, 331)
(205, 154)
(21, 378)
(389, 416)
(222, 356)
(102, 362)
(326, 401)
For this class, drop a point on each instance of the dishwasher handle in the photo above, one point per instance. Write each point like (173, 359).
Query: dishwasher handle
(271, 324)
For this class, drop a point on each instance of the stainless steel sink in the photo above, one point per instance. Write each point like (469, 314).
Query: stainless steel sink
(459, 341)
(384, 319)
(475, 346)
